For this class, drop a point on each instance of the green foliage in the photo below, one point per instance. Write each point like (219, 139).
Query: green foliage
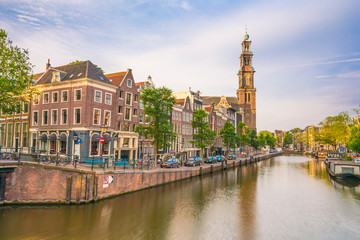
(243, 134)
(266, 139)
(253, 139)
(335, 129)
(158, 104)
(16, 83)
(288, 138)
(203, 135)
(354, 139)
(229, 136)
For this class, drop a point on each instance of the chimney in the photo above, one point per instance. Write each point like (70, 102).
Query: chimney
(48, 65)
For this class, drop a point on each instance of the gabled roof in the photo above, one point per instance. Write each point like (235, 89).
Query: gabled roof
(74, 71)
(116, 78)
(37, 76)
(233, 101)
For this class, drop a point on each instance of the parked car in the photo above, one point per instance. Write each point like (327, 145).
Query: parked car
(171, 163)
(220, 158)
(196, 161)
(211, 159)
(231, 157)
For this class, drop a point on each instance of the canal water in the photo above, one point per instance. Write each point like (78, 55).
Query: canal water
(287, 197)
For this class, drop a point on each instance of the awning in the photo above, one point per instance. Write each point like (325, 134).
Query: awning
(95, 137)
(43, 137)
(52, 137)
(107, 138)
(62, 137)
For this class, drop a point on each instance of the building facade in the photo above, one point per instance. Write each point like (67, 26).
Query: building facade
(73, 111)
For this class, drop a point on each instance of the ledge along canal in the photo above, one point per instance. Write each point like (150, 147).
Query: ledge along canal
(286, 197)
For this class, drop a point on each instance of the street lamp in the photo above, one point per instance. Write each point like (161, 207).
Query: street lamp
(103, 130)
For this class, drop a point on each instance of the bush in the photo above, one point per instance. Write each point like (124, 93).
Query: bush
(348, 158)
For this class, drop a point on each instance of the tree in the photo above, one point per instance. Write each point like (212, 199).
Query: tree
(354, 139)
(288, 138)
(266, 139)
(243, 134)
(203, 135)
(16, 83)
(253, 139)
(158, 104)
(229, 137)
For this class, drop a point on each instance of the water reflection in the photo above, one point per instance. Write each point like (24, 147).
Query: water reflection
(288, 197)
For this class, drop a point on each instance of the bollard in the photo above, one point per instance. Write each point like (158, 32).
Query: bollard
(103, 160)
(92, 164)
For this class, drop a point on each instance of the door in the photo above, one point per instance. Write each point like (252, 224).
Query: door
(2, 187)
(125, 154)
(76, 148)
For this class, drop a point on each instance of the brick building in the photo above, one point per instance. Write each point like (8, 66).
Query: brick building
(75, 104)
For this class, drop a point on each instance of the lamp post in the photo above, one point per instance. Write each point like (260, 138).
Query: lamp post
(103, 130)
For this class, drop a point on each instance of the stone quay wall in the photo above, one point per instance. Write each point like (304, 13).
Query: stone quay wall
(31, 183)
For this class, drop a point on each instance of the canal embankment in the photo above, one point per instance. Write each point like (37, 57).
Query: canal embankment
(32, 183)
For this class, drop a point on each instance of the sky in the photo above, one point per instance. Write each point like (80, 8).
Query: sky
(306, 52)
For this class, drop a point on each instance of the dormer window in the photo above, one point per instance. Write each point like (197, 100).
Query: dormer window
(55, 77)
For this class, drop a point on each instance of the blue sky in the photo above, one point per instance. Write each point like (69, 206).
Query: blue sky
(306, 53)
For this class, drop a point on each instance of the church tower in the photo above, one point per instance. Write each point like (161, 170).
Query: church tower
(246, 94)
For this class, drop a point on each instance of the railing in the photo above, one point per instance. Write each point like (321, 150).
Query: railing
(59, 159)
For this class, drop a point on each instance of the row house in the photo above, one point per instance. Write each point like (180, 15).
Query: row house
(145, 147)
(127, 114)
(14, 128)
(216, 122)
(74, 110)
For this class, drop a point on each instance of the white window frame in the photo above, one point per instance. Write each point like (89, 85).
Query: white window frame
(75, 115)
(108, 94)
(126, 98)
(57, 117)
(67, 95)
(129, 114)
(129, 81)
(52, 96)
(42, 117)
(109, 123)
(93, 122)
(80, 94)
(100, 96)
(44, 98)
(37, 111)
(67, 116)
(38, 100)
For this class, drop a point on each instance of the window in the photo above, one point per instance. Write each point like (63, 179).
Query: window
(128, 99)
(54, 116)
(2, 135)
(64, 116)
(35, 118)
(107, 118)
(119, 126)
(77, 115)
(55, 96)
(25, 134)
(129, 82)
(141, 105)
(141, 117)
(46, 98)
(108, 98)
(121, 94)
(97, 96)
(45, 117)
(135, 112)
(126, 142)
(36, 100)
(126, 127)
(120, 109)
(77, 94)
(97, 116)
(64, 96)
(136, 97)
(17, 130)
(26, 108)
(9, 134)
(134, 126)
(127, 113)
